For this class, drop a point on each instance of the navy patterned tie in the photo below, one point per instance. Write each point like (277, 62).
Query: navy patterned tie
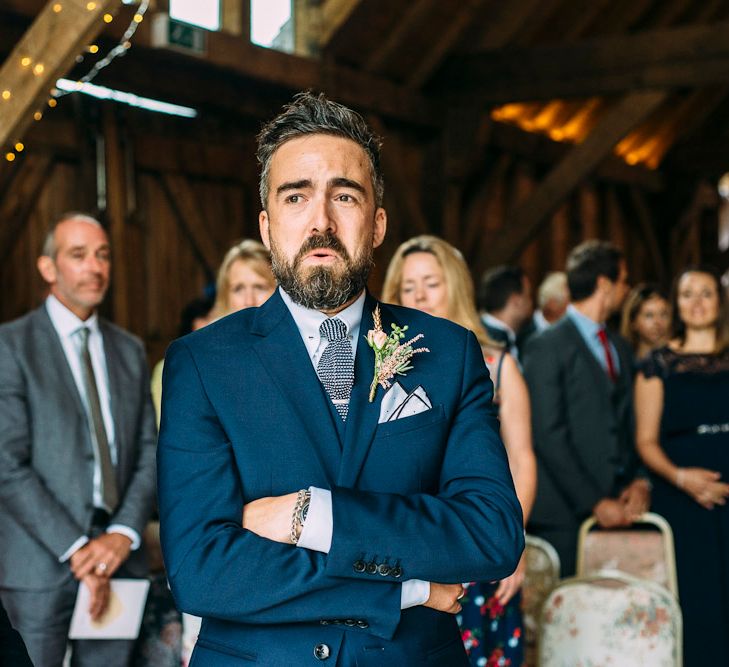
(336, 365)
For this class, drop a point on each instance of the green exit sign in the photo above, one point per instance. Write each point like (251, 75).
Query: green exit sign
(171, 34)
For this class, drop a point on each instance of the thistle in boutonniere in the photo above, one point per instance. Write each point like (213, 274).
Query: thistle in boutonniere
(391, 356)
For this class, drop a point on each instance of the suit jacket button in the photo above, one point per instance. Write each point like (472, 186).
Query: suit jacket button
(350, 622)
(321, 652)
(359, 566)
(371, 567)
(363, 624)
(324, 622)
(396, 572)
(384, 569)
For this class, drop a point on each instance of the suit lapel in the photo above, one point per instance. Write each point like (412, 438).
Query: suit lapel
(601, 377)
(286, 359)
(52, 349)
(363, 416)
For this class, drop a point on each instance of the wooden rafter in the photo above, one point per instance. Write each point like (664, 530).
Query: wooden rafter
(438, 51)
(50, 46)
(528, 217)
(663, 58)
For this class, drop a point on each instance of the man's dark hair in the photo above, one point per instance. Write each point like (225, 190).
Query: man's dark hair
(315, 114)
(497, 285)
(587, 262)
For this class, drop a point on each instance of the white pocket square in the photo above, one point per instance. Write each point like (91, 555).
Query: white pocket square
(397, 403)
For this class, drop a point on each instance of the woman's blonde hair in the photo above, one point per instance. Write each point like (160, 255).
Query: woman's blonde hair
(459, 284)
(253, 253)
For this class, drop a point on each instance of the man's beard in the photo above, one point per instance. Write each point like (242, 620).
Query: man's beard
(324, 288)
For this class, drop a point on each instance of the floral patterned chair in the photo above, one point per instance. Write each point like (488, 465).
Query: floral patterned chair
(542, 575)
(646, 551)
(610, 618)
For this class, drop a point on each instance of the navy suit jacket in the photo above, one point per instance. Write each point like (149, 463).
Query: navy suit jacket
(429, 496)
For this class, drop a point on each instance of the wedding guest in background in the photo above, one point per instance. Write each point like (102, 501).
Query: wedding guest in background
(505, 301)
(244, 278)
(429, 274)
(553, 297)
(580, 378)
(682, 408)
(646, 319)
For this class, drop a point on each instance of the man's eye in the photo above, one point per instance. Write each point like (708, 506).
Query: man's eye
(345, 198)
(293, 199)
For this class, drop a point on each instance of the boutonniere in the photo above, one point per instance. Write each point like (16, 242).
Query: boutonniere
(391, 356)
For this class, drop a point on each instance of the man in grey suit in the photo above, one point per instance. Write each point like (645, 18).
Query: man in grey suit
(580, 382)
(77, 451)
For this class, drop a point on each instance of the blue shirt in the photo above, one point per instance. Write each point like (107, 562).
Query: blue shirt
(589, 330)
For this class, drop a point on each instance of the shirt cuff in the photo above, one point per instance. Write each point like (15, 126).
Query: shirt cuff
(414, 593)
(133, 535)
(81, 541)
(316, 533)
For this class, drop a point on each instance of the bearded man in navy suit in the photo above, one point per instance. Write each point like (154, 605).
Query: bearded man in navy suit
(310, 513)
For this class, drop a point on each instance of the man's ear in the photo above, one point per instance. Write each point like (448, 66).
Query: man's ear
(380, 227)
(264, 229)
(47, 269)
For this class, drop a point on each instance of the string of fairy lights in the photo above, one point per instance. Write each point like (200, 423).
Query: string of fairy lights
(55, 94)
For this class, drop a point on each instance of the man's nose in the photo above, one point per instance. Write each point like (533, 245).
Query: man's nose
(323, 220)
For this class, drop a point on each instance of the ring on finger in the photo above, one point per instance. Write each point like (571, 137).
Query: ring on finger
(102, 567)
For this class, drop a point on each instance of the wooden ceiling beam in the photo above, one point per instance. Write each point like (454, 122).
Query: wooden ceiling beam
(412, 17)
(528, 217)
(438, 51)
(666, 58)
(50, 46)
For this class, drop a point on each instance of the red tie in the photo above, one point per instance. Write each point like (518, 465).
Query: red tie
(612, 373)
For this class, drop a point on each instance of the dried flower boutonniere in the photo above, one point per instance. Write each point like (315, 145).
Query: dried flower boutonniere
(391, 356)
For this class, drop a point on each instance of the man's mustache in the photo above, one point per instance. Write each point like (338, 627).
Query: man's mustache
(321, 242)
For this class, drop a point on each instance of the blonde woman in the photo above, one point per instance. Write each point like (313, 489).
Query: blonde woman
(244, 278)
(431, 275)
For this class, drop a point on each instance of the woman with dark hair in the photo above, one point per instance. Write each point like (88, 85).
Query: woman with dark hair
(646, 319)
(682, 410)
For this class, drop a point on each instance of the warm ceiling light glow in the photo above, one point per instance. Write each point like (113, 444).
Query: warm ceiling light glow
(108, 18)
(6, 94)
(39, 69)
(91, 6)
(19, 147)
(10, 156)
(138, 18)
(57, 7)
(37, 115)
(52, 103)
(93, 48)
(25, 61)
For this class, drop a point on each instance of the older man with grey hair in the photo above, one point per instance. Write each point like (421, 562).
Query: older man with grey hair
(77, 444)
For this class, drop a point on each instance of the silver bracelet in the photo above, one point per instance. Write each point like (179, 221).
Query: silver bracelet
(297, 521)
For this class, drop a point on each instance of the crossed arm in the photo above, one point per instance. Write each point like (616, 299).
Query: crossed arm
(471, 530)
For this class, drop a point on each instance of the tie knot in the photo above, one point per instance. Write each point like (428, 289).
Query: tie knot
(602, 335)
(333, 329)
(83, 333)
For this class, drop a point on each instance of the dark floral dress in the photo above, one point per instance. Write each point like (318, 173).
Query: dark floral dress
(491, 633)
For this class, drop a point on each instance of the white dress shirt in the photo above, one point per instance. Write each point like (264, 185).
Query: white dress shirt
(502, 326)
(316, 533)
(67, 326)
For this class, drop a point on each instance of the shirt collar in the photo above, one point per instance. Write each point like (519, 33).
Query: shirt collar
(583, 322)
(498, 324)
(308, 320)
(67, 323)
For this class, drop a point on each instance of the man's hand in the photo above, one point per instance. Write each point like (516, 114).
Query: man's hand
(508, 587)
(610, 513)
(636, 499)
(101, 556)
(271, 517)
(445, 597)
(100, 590)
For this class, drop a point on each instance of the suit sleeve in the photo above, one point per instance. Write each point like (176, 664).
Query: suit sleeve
(138, 501)
(471, 530)
(23, 493)
(553, 443)
(215, 567)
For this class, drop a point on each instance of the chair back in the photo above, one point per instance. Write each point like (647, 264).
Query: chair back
(542, 575)
(646, 551)
(610, 618)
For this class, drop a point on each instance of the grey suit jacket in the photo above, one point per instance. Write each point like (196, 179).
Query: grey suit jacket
(582, 424)
(46, 456)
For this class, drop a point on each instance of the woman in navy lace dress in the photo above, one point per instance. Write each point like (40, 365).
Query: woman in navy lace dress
(682, 409)
(429, 274)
